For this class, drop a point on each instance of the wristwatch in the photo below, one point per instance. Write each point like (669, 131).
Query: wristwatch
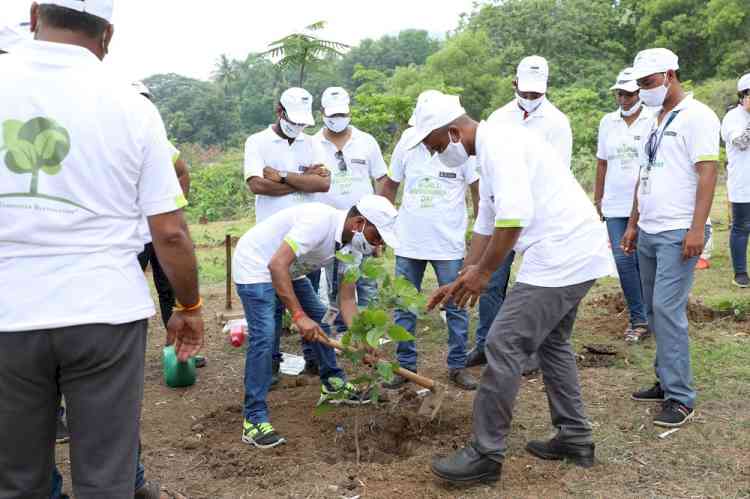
(283, 175)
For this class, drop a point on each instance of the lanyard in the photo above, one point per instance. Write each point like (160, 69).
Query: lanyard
(335, 278)
(654, 142)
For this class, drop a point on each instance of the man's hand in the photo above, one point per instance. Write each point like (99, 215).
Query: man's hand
(319, 170)
(308, 328)
(693, 243)
(439, 295)
(628, 244)
(466, 290)
(271, 174)
(598, 205)
(185, 332)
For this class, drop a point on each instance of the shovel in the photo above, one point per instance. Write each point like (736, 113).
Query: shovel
(432, 401)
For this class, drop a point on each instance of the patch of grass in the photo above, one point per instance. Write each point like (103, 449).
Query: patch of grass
(213, 234)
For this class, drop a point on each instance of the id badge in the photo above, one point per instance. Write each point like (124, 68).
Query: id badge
(330, 316)
(646, 182)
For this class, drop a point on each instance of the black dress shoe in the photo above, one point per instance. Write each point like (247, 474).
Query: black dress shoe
(581, 454)
(476, 358)
(467, 465)
(463, 379)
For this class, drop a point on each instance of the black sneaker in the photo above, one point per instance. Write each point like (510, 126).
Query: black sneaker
(580, 454)
(741, 280)
(463, 379)
(673, 414)
(467, 465)
(262, 435)
(653, 394)
(311, 368)
(62, 435)
(476, 358)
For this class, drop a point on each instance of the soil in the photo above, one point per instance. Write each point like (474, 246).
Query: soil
(191, 436)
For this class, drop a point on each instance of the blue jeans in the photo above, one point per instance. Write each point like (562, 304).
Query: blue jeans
(492, 299)
(666, 280)
(627, 269)
(260, 302)
(458, 319)
(739, 235)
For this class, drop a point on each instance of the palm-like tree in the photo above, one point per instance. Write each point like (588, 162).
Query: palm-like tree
(303, 49)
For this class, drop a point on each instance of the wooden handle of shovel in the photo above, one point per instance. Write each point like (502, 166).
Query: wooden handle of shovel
(372, 360)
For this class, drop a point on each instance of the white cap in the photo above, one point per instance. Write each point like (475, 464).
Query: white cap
(652, 61)
(98, 8)
(12, 36)
(432, 113)
(744, 83)
(335, 100)
(142, 89)
(297, 103)
(427, 94)
(381, 213)
(625, 81)
(532, 74)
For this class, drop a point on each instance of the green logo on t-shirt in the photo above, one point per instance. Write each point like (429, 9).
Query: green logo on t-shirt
(39, 145)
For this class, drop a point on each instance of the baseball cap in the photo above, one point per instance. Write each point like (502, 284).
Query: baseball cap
(742, 85)
(625, 81)
(427, 94)
(142, 89)
(532, 74)
(12, 36)
(297, 103)
(652, 61)
(98, 8)
(335, 100)
(435, 111)
(381, 213)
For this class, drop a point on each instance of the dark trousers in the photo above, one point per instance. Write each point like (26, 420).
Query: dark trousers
(739, 236)
(99, 370)
(163, 287)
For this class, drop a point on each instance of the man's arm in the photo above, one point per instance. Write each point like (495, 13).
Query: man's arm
(309, 182)
(183, 175)
(348, 302)
(601, 174)
(265, 187)
(704, 197)
(474, 187)
(389, 188)
(499, 247)
(628, 242)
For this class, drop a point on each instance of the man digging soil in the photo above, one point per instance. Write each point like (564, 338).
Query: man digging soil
(531, 203)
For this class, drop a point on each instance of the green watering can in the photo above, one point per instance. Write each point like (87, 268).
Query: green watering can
(177, 374)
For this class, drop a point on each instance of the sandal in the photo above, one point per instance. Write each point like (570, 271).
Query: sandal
(153, 490)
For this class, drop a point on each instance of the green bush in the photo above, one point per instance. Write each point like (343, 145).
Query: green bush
(218, 191)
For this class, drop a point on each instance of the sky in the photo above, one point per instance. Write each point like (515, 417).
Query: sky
(188, 36)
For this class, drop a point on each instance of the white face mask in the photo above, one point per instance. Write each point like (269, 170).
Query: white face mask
(630, 112)
(290, 129)
(455, 155)
(529, 105)
(338, 124)
(654, 97)
(361, 245)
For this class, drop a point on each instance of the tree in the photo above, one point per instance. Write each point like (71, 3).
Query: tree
(304, 49)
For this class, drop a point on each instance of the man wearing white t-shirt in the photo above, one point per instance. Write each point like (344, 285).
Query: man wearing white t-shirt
(532, 110)
(667, 225)
(735, 130)
(283, 168)
(355, 161)
(431, 229)
(530, 202)
(83, 158)
(620, 135)
(271, 263)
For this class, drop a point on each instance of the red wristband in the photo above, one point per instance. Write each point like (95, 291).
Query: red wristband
(298, 315)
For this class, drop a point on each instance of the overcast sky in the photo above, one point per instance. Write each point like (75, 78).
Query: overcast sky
(187, 36)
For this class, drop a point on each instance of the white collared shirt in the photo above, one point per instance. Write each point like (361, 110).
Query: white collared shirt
(547, 121)
(311, 230)
(267, 148)
(83, 157)
(667, 190)
(619, 145)
(736, 124)
(432, 218)
(364, 163)
(523, 185)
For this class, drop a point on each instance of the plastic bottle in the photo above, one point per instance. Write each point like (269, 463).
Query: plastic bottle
(237, 335)
(177, 374)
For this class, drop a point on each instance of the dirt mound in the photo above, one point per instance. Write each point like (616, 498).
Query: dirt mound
(613, 304)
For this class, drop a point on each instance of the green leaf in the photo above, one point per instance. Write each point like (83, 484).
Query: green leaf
(52, 170)
(10, 133)
(376, 317)
(21, 157)
(399, 334)
(362, 380)
(51, 145)
(385, 369)
(346, 340)
(345, 258)
(375, 394)
(336, 383)
(351, 276)
(374, 335)
(373, 269)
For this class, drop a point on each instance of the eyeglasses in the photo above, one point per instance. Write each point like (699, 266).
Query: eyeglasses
(342, 162)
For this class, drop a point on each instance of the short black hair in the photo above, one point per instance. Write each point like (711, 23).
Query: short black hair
(72, 20)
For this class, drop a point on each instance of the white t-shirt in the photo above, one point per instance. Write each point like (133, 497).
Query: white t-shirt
(144, 228)
(524, 185)
(312, 231)
(267, 148)
(549, 122)
(82, 158)
(666, 194)
(735, 125)
(364, 161)
(619, 146)
(432, 219)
